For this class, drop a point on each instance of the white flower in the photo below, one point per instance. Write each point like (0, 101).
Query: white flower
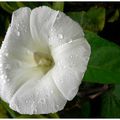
(43, 59)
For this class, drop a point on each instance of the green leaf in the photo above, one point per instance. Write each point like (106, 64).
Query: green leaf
(11, 113)
(9, 110)
(58, 6)
(93, 19)
(85, 110)
(20, 4)
(114, 17)
(3, 112)
(116, 91)
(110, 107)
(6, 7)
(104, 64)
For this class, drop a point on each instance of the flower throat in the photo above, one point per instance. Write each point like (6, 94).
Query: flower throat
(43, 61)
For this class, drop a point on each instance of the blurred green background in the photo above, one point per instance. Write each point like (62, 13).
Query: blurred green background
(98, 95)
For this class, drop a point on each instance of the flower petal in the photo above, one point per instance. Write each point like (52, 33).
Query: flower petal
(41, 20)
(64, 30)
(38, 97)
(71, 61)
(66, 81)
(16, 55)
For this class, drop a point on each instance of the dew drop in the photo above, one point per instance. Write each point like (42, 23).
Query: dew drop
(51, 29)
(71, 56)
(70, 41)
(6, 54)
(7, 67)
(35, 110)
(26, 101)
(61, 81)
(87, 58)
(5, 76)
(13, 106)
(18, 33)
(4, 81)
(2, 51)
(18, 25)
(64, 67)
(47, 95)
(58, 16)
(5, 46)
(19, 107)
(1, 64)
(51, 91)
(60, 36)
(42, 101)
(8, 80)
(57, 107)
(0, 55)
(25, 30)
(1, 72)
(2, 76)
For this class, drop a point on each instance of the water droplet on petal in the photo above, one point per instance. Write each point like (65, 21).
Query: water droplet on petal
(58, 16)
(42, 101)
(64, 67)
(71, 56)
(61, 81)
(1, 64)
(5, 46)
(87, 58)
(7, 67)
(13, 106)
(0, 55)
(5, 76)
(4, 81)
(2, 51)
(18, 25)
(2, 77)
(1, 72)
(26, 101)
(70, 41)
(51, 91)
(60, 36)
(8, 80)
(51, 29)
(47, 95)
(25, 30)
(19, 107)
(35, 110)
(6, 54)
(57, 107)
(18, 33)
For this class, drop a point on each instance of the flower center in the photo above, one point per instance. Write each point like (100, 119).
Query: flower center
(43, 61)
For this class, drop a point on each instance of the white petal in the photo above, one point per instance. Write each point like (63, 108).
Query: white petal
(38, 97)
(72, 59)
(41, 20)
(64, 30)
(16, 53)
(67, 81)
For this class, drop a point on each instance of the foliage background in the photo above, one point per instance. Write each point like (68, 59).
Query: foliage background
(99, 95)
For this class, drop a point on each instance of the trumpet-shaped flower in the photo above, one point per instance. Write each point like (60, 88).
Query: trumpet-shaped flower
(43, 59)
